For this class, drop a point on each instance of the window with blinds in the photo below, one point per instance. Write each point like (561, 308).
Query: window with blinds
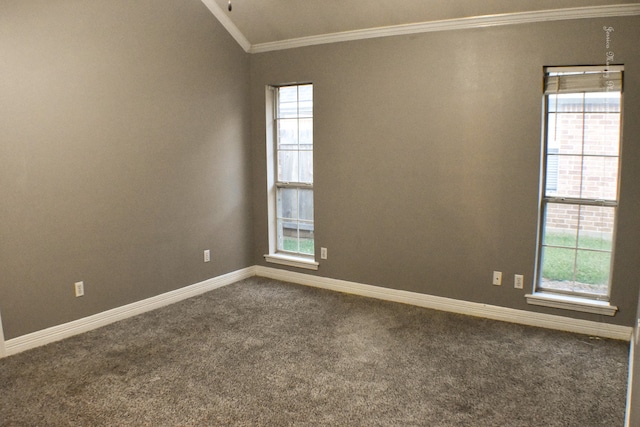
(580, 180)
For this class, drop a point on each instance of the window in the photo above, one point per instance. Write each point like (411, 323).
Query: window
(290, 169)
(580, 180)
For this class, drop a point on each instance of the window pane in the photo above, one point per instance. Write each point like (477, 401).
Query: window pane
(591, 275)
(576, 226)
(561, 225)
(592, 272)
(305, 207)
(551, 186)
(288, 94)
(581, 159)
(569, 181)
(557, 267)
(288, 233)
(295, 220)
(602, 134)
(576, 251)
(280, 232)
(564, 133)
(291, 239)
(306, 167)
(600, 178)
(305, 109)
(288, 203)
(287, 133)
(287, 102)
(288, 166)
(602, 102)
(552, 104)
(566, 103)
(305, 92)
(596, 228)
(288, 110)
(294, 148)
(306, 132)
(306, 243)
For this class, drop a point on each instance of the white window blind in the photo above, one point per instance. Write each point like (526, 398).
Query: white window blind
(581, 80)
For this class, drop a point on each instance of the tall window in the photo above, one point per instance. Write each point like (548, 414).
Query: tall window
(580, 180)
(292, 129)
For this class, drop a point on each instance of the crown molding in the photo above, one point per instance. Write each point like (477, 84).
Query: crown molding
(450, 24)
(228, 24)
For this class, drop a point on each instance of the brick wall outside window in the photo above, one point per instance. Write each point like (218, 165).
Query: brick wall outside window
(600, 137)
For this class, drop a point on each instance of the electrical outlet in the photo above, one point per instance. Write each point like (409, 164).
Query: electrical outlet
(207, 255)
(323, 253)
(79, 289)
(497, 278)
(518, 281)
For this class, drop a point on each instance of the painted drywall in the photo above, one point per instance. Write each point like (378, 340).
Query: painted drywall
(124, 154)
(427, 156)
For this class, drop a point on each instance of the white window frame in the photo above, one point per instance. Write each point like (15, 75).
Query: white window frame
(544, 296)
(275, 255)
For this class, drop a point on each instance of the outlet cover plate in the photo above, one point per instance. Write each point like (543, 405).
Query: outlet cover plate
(497, 278)
(79, 286)
(518, 281)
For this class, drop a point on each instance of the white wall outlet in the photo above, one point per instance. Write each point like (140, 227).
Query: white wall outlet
(323, 253)
(79, 286)
(497, 278)
(518, 281)
(207, 255)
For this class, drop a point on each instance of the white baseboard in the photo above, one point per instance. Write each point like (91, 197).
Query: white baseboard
(632, 350)
(56, 333)
(523, 317)
(3, 352)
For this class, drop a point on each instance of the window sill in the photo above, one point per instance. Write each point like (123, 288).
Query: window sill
(566, 302)
(292, 261)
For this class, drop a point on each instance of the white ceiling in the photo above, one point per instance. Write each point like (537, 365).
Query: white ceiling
(260, 25)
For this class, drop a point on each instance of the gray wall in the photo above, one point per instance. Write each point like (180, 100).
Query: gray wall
(427, 155)
(124, 153)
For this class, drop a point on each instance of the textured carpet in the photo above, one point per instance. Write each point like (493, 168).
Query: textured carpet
(262, 352)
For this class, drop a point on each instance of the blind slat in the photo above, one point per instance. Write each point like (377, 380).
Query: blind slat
(588, 82)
